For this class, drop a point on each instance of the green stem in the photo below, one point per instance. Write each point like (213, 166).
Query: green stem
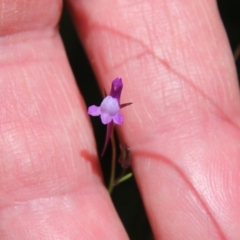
(112, 177)
(124, 178)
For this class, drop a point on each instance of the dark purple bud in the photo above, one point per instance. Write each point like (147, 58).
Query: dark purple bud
(116, 89)
(125, 157)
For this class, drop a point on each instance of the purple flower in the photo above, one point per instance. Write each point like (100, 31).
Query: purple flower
(109, 110)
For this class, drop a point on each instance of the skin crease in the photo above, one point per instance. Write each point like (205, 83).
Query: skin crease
(178, 70)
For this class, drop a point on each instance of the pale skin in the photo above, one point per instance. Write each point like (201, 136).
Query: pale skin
(183, 128)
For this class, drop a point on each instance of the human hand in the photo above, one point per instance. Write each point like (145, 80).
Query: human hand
(179, 72)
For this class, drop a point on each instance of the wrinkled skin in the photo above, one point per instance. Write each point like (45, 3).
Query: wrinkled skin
(177, 68)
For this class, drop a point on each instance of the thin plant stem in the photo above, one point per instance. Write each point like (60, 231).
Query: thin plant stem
(113, 164)
(123, 178)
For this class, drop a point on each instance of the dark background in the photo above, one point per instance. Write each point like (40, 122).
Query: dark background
(126, 196)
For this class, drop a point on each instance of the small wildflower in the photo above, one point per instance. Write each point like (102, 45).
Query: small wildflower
(109, 109)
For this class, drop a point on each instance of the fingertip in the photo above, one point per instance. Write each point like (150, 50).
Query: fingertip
(20, 16)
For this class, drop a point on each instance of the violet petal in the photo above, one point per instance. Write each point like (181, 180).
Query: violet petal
(118, 119)
(110, 105)
(94, 110)
(106, 118)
